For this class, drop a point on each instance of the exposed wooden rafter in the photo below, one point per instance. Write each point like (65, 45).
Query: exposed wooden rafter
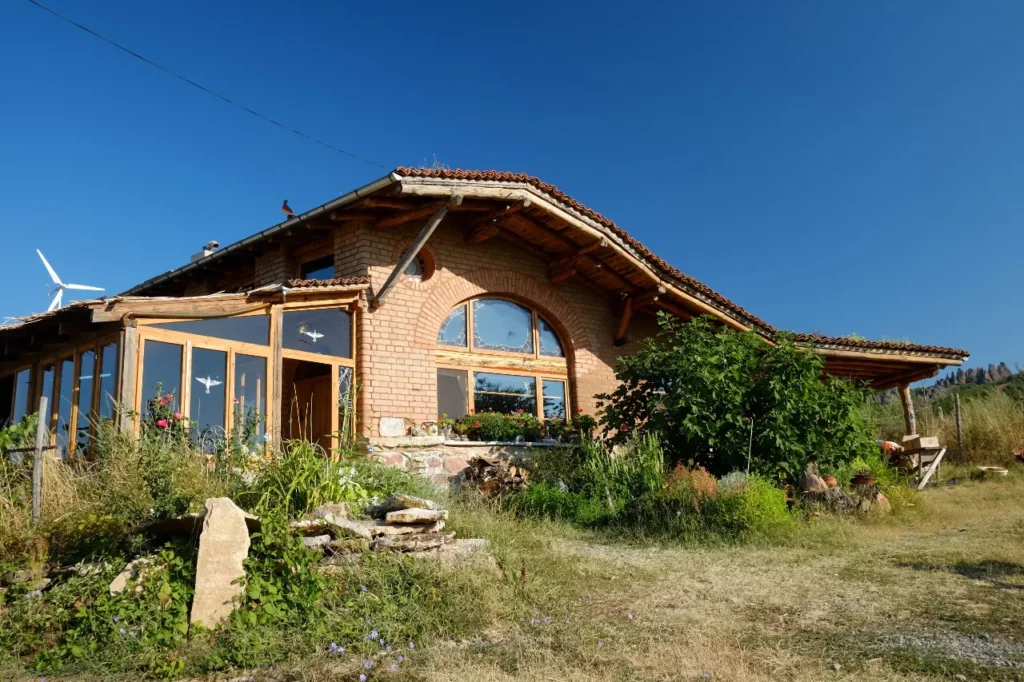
(564, 268)
(409, 216)
(647, 298)
(481, 229)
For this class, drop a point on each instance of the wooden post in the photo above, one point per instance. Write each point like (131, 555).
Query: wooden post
(276, 373)
(959, 426)
(42, 440)
(909, 418)
(126, 375)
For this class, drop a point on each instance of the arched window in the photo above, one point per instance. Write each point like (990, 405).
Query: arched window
(495, 355)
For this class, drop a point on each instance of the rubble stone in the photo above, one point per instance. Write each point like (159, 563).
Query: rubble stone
(223, 546)
(416, 515)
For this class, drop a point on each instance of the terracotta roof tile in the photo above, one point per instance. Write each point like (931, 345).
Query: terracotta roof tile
(321, 283)
(822, 340)
(641, 250)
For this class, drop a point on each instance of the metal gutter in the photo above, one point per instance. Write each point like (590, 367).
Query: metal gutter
(334, 204)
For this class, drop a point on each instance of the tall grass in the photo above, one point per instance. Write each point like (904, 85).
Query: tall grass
(993, 427)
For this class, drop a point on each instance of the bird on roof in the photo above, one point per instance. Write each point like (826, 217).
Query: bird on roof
(287, 210)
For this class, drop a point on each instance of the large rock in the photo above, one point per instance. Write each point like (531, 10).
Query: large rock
(812, 483)
(416, 516)
(223, 546)
(398, 502)
(411, 543)
(391, 427)
(338, 523)
(133, 571)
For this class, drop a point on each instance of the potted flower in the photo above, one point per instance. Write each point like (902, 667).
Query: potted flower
(863, 477)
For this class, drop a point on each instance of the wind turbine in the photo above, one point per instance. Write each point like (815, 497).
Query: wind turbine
(59, 291)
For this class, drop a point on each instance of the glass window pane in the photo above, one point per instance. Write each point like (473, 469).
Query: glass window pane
(453, 330)
(452, 393)
(321, 268)
(206, 402)
(250, 406)
(502, 325)
(22, 383)
(6, 399)
(247, 329)
(504, 393)
(108, 380)
(326, 332)
(554, 399)
(416, 269)
(161, 373)
(549, 343)
(67, 385)
(86, 380)
(345, 404)
(47, 390)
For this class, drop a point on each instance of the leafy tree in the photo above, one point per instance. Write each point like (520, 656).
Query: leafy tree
(700, 386)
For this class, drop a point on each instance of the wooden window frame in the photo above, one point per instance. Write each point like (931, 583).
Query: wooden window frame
(485, 361)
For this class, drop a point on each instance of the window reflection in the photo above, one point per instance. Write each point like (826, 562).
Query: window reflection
(22, 383)
(504, 393)
(248, 329)
(86, 381)
(47, 390)
(453, 330)
(325, 332)
(207, 397)
(249, 407)
(108, 380)
(321, 268)
(452, 393)
(549, 343)
(161, 373)
(64, 402)
(502, 325)
(554, 399)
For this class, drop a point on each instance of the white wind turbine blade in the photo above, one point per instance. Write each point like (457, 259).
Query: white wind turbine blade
(55, 303)
(83, 287)
(53, 274)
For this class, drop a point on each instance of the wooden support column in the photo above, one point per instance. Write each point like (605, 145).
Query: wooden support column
(127, 369)
(624, 316)
(276, 372)
(414, 249)
(909, 418)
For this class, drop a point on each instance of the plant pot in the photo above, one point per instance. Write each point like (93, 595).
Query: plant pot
(830, 481)
(863, 479)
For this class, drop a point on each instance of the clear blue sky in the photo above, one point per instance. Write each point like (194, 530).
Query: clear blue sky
(847, 167)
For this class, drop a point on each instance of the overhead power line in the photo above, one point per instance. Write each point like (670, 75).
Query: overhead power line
(205, 89)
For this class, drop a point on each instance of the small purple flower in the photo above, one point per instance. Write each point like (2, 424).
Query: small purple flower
(387, 647)
(394, 667)
(37, 593)
(363, 587)
(401, 658)
(368, 665)
(121, 631)
(630, 616)
(116, 619)
(547, 619)
(411, 645)
(362, 677)
(28, 595)
(707, 676)
(600, 644)
(567, 620)
(374, 634)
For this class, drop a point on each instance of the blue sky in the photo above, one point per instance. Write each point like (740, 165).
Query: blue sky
(840, 167)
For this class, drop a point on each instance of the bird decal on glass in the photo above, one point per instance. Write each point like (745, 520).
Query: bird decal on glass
(313, 335)
(208, 382)
(287, 210)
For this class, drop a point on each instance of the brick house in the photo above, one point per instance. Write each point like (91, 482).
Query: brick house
(427, 291)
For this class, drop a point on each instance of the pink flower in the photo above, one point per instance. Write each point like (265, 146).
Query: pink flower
(177, 415)
(472, 411)
(579, 410)
(520, 412)
(163, 401)
(170, 397)
(161, 423)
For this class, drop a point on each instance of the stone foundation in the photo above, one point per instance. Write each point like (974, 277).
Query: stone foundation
(444, 460)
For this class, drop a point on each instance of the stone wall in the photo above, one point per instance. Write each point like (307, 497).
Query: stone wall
(444, 460)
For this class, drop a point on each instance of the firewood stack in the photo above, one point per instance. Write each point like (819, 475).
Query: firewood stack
(495, 477)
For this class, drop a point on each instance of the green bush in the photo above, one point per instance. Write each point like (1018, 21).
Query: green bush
(703, 387)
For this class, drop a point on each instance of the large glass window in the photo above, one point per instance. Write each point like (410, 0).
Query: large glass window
(22, 383)
(161, 373)
(64, 403)
(504, 393)
(248, 329)
(549, 343)
(207, 397)
(325, 332)
(452, 393)
(86, 381)
(250, 403)
(108, 381)
(47, 390)
(502, 325)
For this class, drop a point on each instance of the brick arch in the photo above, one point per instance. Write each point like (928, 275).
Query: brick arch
(513, 285)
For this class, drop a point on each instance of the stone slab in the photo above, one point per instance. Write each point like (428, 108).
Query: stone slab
(398, 502)
(133, 570)
(223, 546)
(382, 528)
(416, 516)
(391, 427)
(411, 543)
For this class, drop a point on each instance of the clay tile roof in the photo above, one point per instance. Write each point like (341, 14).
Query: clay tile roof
(322, 283)
(560, 196)
(822, 340)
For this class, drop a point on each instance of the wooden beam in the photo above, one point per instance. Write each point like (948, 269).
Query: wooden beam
(409, 216)
(564, 268)
(342, 217)
(647, 298)
(224, 306)
(481, 229)
(276, 373)
(128, 365)
(481, 233)
(414, 250)
(625, 315)
(380, 202)
(909, 418)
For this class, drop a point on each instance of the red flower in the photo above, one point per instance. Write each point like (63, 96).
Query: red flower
(624, 427)
(661, 408)
(177, 415)
(476, 425)
(520, 412)
(472, 411)
(579, 410)
(161, 423)
(234, 400)
(170, 397)
(521, 425)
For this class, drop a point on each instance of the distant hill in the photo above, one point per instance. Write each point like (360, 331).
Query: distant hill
(969, 383)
